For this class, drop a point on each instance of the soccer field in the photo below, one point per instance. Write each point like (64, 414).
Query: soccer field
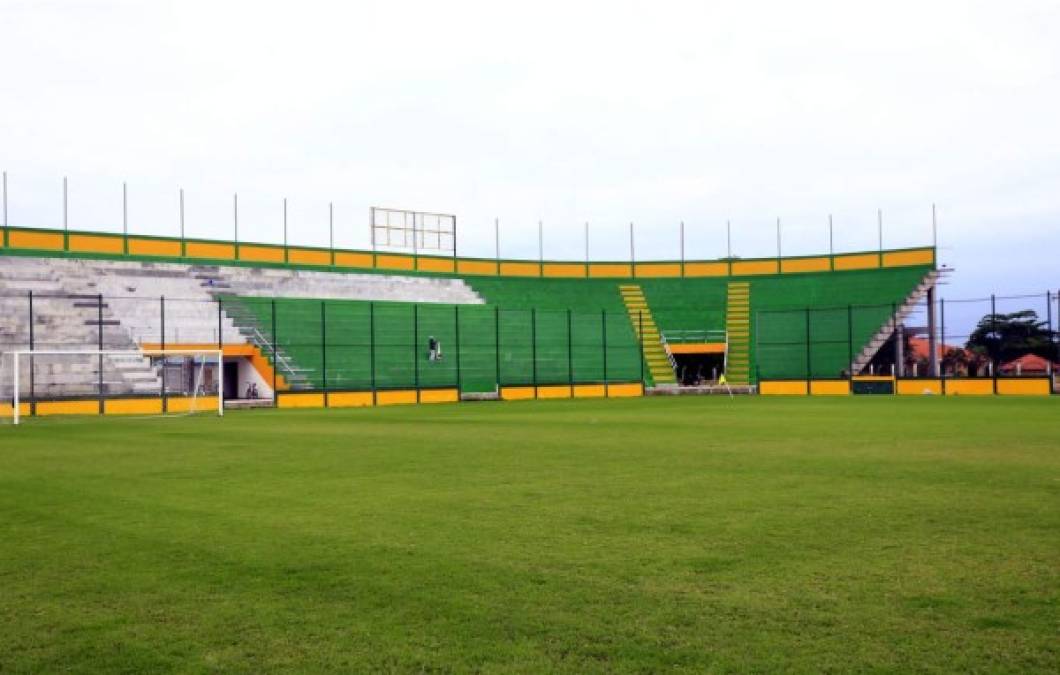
(641, 535)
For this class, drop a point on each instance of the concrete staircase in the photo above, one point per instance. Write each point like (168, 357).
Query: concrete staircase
(738, 333)
(916, 297)
(655, 356)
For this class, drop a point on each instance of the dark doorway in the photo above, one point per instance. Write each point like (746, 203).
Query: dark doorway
(693, 369)
(231, 382)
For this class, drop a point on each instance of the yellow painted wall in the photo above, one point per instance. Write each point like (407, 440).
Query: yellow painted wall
(260, 253)
(610, 271)
(308, 256)
(796, 265)
(863, 261)
(44, 241)
(829, 388)
(625, 390)
(782, 388)
(520, 269)
(918, 387)
(353, 259)
(752, 267)
(88, 243)
(706, 269)
(658, 270)
(476, 267)
(698, 348)
(350, 399)
(300, 400)
(431, 264)
(924, 256)
(154, 247)
(8, 410)
(45, 408)
(553, 391)
(393, 262)
(200, 404)
(215, 251)
(590, 391)
(396, 397)
(1023, 387)
(439, 396)
(969, 387)
(567, 270)
(133, 406)
(517, 393)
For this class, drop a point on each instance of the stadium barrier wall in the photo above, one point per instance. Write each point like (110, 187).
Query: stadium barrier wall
(75, 243)
(950, 386)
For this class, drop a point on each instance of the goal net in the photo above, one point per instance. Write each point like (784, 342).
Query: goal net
(42, 383)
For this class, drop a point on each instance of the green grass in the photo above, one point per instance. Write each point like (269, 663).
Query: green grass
(686, 534)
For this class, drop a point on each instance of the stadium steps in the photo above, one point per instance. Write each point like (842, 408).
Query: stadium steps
(908, 306)
(738, 333)
(655, 357)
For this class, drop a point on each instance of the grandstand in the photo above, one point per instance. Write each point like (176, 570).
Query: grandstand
(330, 327)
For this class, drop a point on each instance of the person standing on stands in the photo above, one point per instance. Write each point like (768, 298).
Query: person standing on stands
(433, 351)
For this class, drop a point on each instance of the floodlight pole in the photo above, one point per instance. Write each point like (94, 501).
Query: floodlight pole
(125, 217)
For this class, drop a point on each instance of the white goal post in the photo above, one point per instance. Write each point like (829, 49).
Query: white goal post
(216, 354)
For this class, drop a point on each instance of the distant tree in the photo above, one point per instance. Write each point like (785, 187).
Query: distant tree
(1003, 337)
(955, 361)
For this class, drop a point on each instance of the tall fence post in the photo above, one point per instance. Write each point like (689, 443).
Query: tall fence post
(497, 345)
(570, 354)
(894, 332)
(99, 319)
(809, 355)
(32, 364)
(640, 344)
(942, 341)
(162, 323)
(1052, 337)
(220, 349)
(850, 343)
(415, 350)
(371, 351)
(603, 341)
(275, 355)
(993, 329)
(533, 348)
(324, 349)
(456, 325)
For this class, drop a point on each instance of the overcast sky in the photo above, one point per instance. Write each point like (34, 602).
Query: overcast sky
(567, 112)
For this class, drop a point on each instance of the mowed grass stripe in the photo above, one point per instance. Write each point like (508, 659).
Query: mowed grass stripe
(623, 535)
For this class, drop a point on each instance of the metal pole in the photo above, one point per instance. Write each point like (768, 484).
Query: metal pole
(778, 245)
(993, 329)
(587, 249)
(415, 349)
(570, 355)
(640, 337)
(32, 361)
(603, 343)
(99, 319)
(831, 244)
(285, 257)
(331, 231)
(66, 224)
(533, 348)
(497, 344)
(275, 359)
(934, 228)
(183, 246)
(682, 248)
(809, 356)
(371, 351)
(235, 223)
(415, 245)
(540, 251)
(942, 339)
(220, 326)
(497, 242)
(324, 349)
(632, 253)
(7, 238)
(125, 217)
(933, 359)
(456, 325)
(371, 233)
(850, 342)
(1052, 342)
(728, 244)
(162, 323)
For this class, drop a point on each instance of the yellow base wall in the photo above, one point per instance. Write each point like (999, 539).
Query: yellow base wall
(783, 388)
(400, 397)
(830, 388)
(1028, 387)
(918, 387)
(554, 391)
(973, 387)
